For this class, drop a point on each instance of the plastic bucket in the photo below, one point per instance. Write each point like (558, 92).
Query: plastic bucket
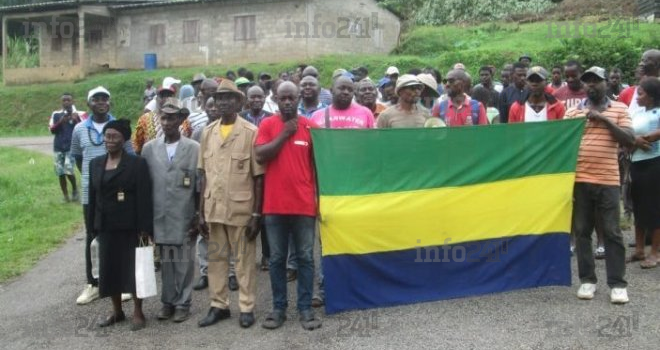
(150, 61)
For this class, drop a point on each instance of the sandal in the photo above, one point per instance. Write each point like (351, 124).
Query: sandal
(112, 319)
(274, 319)
(648, 264)
(309, 321)
(635, 257)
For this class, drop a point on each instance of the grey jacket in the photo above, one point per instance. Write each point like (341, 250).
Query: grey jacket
(174, 188)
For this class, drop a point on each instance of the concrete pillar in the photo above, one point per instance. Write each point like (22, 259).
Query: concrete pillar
(81, 43)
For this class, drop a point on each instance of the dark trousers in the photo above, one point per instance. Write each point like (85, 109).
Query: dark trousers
(265, 249)
(598, 203)
(88, 242)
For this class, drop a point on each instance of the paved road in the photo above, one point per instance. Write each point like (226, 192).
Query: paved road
(38, 311)
(43, 144)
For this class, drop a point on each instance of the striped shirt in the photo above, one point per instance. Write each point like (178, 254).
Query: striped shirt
(598, 161)
(88, 143)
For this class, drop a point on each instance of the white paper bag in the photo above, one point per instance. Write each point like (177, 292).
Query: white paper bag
(94, 252)
(145, 275)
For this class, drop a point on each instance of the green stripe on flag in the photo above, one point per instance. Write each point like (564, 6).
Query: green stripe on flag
(354, 162)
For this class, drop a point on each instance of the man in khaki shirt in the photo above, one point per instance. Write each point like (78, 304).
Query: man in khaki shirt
(230, 208)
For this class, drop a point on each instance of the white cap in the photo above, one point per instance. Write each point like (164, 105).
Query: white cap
(169, 81)
(97, 90)
(392, 70)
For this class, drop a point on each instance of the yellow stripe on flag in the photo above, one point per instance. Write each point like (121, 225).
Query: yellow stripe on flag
(448, 215)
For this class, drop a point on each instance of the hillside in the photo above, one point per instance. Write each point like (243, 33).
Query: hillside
(25, 109)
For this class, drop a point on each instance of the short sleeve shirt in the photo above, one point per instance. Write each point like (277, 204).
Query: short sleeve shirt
(354, 117)
(598, 161)
(393, 117)
(289, 182)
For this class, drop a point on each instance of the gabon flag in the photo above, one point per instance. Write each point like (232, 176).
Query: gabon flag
(413, 215)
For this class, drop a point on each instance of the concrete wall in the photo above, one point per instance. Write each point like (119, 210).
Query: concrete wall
(41, 75)
(284, 31)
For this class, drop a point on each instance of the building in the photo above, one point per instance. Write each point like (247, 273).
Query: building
(78, 37)
(648, 9)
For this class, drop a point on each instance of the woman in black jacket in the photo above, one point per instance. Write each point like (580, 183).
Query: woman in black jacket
(121, 213)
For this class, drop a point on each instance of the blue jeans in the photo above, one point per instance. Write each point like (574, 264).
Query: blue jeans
(300, 229)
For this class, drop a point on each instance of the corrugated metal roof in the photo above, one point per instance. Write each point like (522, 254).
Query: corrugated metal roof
(50, 5)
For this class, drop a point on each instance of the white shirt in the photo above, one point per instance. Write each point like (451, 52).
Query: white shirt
(171, 150)
(99, 126)
(532, 116)
(634, 108)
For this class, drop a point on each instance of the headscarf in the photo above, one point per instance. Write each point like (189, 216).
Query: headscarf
(121, 125)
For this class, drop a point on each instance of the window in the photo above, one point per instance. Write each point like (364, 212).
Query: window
(56, 43)
(95, 38)
(157, 35)
(244, 28)
(191, 31)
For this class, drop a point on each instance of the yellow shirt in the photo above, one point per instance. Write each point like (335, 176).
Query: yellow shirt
(225, 130)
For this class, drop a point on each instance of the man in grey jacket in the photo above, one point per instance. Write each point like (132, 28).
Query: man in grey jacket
(172, 163)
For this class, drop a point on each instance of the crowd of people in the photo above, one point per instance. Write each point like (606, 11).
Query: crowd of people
(212, 164)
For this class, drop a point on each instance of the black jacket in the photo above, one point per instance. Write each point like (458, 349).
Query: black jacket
(107, 211)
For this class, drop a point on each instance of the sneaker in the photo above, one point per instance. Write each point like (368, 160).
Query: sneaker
(586, 291)
(572, 250)
(75, 197)
(600, 253)
(126, 296)
(618, 296)
(89, 294)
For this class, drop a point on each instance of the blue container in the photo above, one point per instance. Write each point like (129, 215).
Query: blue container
(150, 61)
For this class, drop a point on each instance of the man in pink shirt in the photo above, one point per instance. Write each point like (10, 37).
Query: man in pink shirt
(343, 113)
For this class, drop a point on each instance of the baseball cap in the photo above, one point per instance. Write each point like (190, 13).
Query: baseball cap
(169, 81)
(171, 105)
(538, 71)
(241, 81)
(392, 70)
(99, 90)
(597, 71)
(405, 81)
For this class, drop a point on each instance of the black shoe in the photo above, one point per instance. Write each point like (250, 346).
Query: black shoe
(215, 314)
(203, 283)
(165, 312)
(112, 320)
(181, 315)
(233, 283)
(291, 275)
(246, 320)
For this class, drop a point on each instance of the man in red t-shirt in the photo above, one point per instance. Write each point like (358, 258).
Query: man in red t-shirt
(284, 146)
(573, 92)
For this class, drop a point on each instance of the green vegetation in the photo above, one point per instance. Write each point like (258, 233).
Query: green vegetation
(26, 109)
(32, 219)
(22, 52)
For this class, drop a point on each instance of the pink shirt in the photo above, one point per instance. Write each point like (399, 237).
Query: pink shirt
(354, 117)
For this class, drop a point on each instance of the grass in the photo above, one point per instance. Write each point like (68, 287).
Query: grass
(25, 109)
(33, 222)
(509, 37)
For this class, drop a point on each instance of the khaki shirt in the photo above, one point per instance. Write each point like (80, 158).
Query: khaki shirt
(230, 166)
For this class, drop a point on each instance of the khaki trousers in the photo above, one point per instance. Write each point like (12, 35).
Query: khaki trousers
(223, 241)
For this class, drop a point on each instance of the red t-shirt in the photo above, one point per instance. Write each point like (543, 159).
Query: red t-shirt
(289, 183)
(569, 97)
(457, 117)
(626, 95)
